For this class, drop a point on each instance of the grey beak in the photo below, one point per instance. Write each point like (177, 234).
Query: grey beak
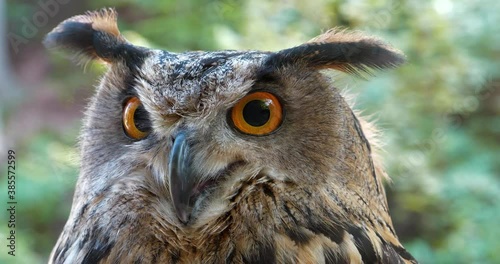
(183, 182)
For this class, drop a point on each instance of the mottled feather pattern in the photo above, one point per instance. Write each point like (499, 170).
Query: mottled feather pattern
(284, 227)
(310, 192)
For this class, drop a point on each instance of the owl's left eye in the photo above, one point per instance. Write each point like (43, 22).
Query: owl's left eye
(135, 121)
(259, 113)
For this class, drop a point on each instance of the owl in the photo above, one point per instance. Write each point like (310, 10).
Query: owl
(225, 156)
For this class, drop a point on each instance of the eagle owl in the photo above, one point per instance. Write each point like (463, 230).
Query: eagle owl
(225, 156)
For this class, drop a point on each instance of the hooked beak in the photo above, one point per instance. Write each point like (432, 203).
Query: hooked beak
(183, 181)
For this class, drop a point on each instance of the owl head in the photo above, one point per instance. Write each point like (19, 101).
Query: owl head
(192, 139)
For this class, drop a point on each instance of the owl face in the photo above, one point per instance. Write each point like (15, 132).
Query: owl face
(195, 129)
(196, 126)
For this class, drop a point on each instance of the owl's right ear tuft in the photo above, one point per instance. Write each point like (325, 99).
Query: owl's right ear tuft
(93, 36)
(337, 49)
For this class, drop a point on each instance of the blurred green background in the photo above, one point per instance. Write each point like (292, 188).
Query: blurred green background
(439, 113)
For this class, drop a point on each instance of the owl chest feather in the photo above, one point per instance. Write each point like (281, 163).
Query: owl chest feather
(262, 226)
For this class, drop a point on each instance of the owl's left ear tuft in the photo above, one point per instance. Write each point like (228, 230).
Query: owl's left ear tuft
(93, 36)
(350, 52)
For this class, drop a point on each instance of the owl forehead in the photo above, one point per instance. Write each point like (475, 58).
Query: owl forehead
(192, 82)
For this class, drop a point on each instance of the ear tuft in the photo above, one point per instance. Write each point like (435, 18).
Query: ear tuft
(337, 49)
(104, 20)
(93, 36)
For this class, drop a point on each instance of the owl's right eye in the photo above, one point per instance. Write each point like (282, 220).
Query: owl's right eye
(135, 122)
(258, 114)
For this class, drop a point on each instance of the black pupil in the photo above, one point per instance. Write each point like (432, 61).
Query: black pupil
(256, 113)
(141, 119)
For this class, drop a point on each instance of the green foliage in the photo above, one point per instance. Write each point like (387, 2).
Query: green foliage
(440, 113)
(178, 25)
(45, 176)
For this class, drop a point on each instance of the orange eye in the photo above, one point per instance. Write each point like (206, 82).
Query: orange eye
(257, 114)
(135, 121)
